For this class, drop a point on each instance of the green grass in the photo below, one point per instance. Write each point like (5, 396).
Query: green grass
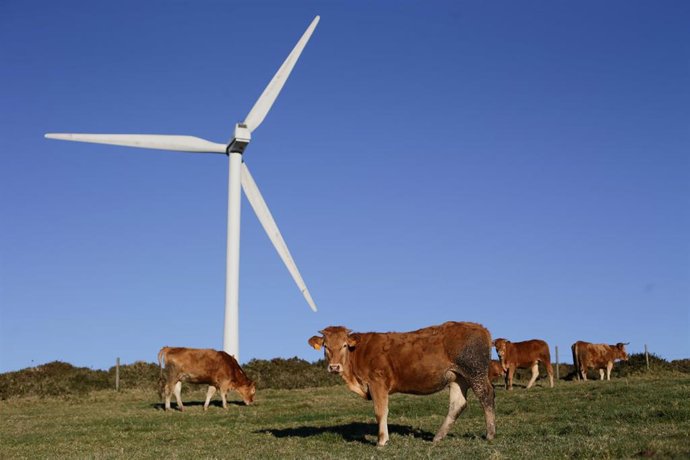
(640, 416)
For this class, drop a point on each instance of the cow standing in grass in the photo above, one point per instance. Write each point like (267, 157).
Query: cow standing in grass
(598, 356)
(217, 369)
(374, 365)
(495, 370)
(523, 355)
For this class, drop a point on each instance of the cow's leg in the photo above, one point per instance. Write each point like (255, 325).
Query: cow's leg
(549, 370)
(458, 402)
(178, 395)
(575, 364)
(224, 396)
(168, 383)
(509, 377)
(583, 371)
(535, 374)
(485, 393)
(380, 398)
(601, 374)
(609, 366)
(168, 395)
(209, 394)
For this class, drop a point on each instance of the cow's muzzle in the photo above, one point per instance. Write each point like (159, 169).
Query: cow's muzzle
(335, 368)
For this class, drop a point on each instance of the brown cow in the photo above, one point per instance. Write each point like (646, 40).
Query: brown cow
(523, 355)
(598, 356)
(216, 368)
(422, 362)
(495, 370)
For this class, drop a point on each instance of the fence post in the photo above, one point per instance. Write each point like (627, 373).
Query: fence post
(558, 374)
(117, 374)
(646, 356)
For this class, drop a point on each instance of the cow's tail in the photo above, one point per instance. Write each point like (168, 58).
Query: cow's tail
(576, 364)
(161, 360)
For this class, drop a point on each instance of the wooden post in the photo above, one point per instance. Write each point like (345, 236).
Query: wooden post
(558, 374)
(117, 374)
(646, 356)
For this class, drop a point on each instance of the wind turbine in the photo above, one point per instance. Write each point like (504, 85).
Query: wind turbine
(238, 174)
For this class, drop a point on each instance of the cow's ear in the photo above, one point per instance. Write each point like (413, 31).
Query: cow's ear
(352, 340)
(493, 343)
(316, 342)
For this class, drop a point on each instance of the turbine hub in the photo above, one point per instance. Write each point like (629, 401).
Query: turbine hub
(240, 139)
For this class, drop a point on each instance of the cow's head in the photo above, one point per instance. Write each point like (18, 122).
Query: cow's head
(247, 392)
(337, 343)
(501, 345)
(621, 353)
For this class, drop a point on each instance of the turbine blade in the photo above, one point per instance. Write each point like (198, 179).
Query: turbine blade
(146, 141)
(263, 104)
(261, 209)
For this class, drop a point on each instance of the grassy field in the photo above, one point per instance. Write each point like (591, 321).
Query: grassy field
(632, 417)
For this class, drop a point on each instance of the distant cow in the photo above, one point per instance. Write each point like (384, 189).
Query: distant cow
(598, 356)
(523, 355)
(216, 368)
(422, 362)
(495, 370)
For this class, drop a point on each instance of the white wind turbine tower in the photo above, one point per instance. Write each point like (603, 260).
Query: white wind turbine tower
(238, 174)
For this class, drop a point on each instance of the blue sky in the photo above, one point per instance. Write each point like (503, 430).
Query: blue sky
(524, 165)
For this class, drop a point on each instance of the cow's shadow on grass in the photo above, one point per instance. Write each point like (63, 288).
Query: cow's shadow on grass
(218, 404)
(351, 432)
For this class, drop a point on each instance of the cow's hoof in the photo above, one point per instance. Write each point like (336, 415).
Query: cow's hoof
(181, 408)
(437, 438)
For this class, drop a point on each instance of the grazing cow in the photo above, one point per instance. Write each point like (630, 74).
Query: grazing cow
(216, 368)
(422, 362)
(495, 370)
(598, 356)
(523, 355)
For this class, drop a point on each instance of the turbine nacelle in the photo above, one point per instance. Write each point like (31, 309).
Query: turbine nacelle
(240, 139)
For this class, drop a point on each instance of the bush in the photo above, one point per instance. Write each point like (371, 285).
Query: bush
(58, 378)
(637, 365)
(62, 379)
(681, 365)
(141, 375)
(52, 379)
(289, 373)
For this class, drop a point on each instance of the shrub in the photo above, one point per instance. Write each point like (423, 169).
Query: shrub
(59, 378)
(637, 364)
(62, 379)
(52, 379)
(140, 374)
(289, 373)
(681, 365)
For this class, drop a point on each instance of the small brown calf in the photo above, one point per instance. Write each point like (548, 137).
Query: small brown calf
(216, 368)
